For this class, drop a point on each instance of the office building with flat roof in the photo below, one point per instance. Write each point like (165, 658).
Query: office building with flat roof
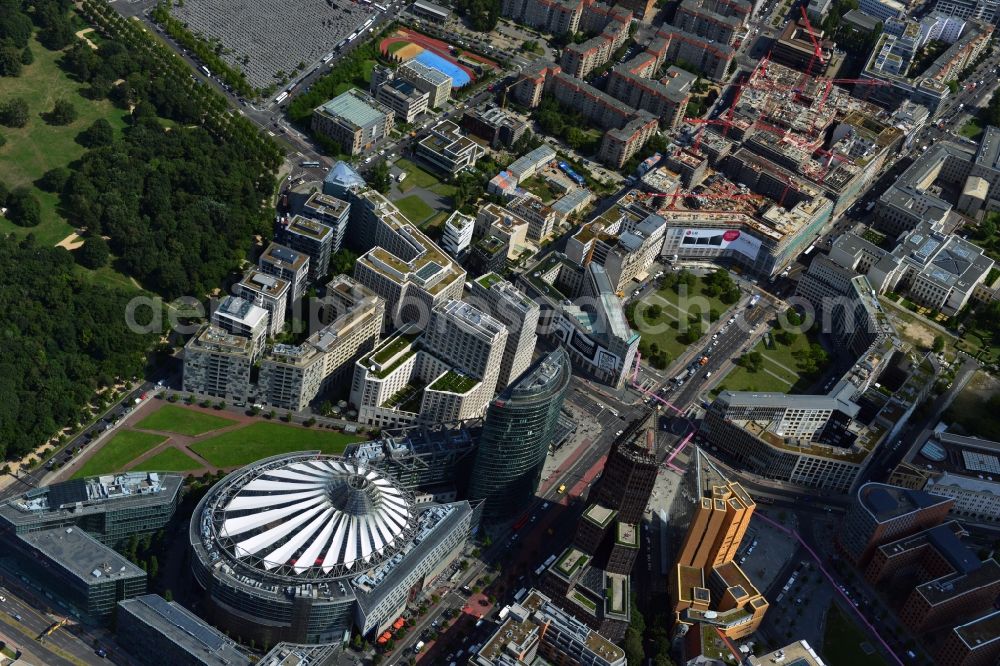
(78, 569)
(884, 513)
(595, 333)
(164, 633)
(799, 653)
(434, 82)
(400, 263)
(111, 508)
(624, 241)
(518, 429)
(447, 372)
(405, 100)
(218, 363)
(975, 643)
(447, 150)
(536, 628)
(531, 163)
(268, 292)
(707, 587)
(630, 470)
(244, 319)
(494, 124)
(457, 234)
(310, 237)
(292, 376)
(354, 120)
(518, 313)
(287, 264)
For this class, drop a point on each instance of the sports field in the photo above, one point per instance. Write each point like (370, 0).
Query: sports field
(117, 453)
(263, 439)
(183, 421)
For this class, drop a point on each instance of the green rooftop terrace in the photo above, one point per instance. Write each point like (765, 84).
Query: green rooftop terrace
(452, 382)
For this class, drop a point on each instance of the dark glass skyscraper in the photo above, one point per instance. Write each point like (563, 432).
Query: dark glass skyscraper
(517, 431)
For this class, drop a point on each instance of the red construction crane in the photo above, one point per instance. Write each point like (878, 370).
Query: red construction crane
(817, 49)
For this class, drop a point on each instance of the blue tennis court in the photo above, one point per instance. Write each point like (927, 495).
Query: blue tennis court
(458, 76)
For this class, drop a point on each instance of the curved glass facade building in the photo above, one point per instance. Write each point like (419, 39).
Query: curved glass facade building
(517, 431)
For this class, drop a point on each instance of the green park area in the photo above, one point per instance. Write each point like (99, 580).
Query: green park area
(783, 362)
(169, 460)
(972, 129)
(261, 440)
(117, 453)
(39, 146)
(842, 642)
(183, 421)
(678, 314)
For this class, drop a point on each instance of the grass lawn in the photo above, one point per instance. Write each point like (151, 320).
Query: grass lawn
(123, 448)
(415, 209)
(663, 329)
(182, 420)
(972, 129)
(168, 460)
(537, 185)
(443, 189)
(415, 176)
(842, 642)
(37, 147)
(396, 46)
(260, 440)
(436, 221)
(778, 361)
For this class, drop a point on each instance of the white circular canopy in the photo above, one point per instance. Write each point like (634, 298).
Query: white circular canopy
(316, 514)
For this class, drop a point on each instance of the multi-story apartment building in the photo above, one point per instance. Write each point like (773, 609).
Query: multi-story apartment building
(502, 300)
(218, 363)
(530, 85)
(289, 265)
(447, 150)
(435, 83)
(292, 376)
(242, 318)
(666, 98)
(884, 513)
(706, 584)
(536, 627)
(354, 120)
(710, 57)
(403, 266)
(619, 145)
(268, 292)
(580, 60)
(332, 211)
(447, 372)
(541, 218)
(883, 10)
(714, 19)
(457, 234)
(511, 228)
(986, 11)
(310, 237)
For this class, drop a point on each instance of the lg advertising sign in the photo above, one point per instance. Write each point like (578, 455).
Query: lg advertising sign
(723, 239)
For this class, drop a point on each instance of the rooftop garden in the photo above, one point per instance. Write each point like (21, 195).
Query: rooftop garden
(453, 382)
(571, 560)
(393, 347)
(584, 600)
(488, 280)
(403, 395)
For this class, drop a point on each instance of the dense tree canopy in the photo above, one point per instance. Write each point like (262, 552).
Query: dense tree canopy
(483, 15)
(23, 208)
(63, 338)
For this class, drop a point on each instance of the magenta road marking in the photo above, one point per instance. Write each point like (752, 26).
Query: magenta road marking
(819, 563)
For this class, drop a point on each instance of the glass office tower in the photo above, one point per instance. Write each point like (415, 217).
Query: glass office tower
(517, 431)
